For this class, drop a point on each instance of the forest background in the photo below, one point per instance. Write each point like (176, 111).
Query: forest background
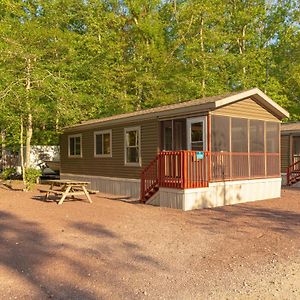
(64, 61)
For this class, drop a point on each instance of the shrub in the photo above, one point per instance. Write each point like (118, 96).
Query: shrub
(8, 173)
(31, 176)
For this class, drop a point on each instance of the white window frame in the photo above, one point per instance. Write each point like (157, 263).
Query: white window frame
(127, 129)
(69, 138)
(110, 142)
(189, 123)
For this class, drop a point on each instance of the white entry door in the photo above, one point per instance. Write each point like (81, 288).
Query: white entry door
(196, 134)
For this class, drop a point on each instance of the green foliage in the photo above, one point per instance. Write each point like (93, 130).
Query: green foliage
(8, 173)
(90, 59)
(31, 176)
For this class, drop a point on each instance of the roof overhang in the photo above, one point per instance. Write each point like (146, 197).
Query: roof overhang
(192, 109)
(166, 114)
(260, 97)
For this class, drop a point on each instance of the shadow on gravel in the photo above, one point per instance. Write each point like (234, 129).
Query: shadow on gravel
(88, 249)
(25, 248)
(241, 216)
(123, 255)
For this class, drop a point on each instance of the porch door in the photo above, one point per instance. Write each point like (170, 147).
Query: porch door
(196, 134)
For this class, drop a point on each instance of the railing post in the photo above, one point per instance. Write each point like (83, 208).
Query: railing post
(184, 170)
(181, 170)
(288, 176)
(159, 169)
(209, 167)
(142, 187)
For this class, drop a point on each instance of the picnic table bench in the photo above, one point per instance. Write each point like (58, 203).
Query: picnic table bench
(67, 188)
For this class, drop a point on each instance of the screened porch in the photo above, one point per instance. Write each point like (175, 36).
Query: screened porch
(235, 148)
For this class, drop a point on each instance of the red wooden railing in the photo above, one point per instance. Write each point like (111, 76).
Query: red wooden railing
(175, 169)
(191, 169)
(183, 169)
(244, 165)
(293, 173)
(149, 179)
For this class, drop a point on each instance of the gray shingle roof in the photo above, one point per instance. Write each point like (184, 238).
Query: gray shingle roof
(157, 109)
(203, 104)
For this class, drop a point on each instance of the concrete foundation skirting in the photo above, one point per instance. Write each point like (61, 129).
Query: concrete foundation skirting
(220, 194)
(115, 186)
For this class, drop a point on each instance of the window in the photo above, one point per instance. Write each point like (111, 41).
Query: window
(132, 146)
(220, 133)
(102, 143)
(197, 136)
(75, 149)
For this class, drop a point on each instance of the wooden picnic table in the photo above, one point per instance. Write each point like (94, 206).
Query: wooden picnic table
(67, 188)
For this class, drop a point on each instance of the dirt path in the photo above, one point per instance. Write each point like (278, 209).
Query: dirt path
(112, 250)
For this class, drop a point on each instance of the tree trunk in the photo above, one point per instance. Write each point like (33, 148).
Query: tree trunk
(29, 116)
(28, 140)
(203, 82)
(22, 152)
(3, 149)
(242, 47)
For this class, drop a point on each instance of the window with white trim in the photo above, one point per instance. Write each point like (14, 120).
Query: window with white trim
(102, 143)
(132, 146)
(75, 145)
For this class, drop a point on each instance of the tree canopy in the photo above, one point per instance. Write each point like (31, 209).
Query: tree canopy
(64, 61)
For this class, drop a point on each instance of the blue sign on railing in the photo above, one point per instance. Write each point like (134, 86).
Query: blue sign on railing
(199, 155)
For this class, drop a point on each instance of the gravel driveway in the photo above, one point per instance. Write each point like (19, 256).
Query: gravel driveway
(116, 250)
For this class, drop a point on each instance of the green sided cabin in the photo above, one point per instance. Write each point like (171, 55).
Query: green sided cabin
(290, 153)
(207, 152)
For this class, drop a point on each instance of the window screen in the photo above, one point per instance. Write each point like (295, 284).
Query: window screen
(102, 143)
(132, 145)
(256, 136)
(220, 133)
(197, 136)
(239, 135)
(296, 145)
(272, 136)
(75, 145)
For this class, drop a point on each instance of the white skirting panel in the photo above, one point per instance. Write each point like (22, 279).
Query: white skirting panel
(109, 185)
(220, 194)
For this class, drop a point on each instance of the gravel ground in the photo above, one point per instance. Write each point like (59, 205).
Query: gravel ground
(112, 250)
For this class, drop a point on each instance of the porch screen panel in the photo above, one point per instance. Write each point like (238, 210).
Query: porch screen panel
(257, 148)
(272, 148)
(220, 133)
(220, 146)
(239, 148)
(167, 136)
(272, 136)
(179, 134)
(296, 148)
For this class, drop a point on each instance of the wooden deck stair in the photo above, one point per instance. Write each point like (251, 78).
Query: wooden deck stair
(293, 173)
(174, 169)
(149, 180)
(152, 192)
